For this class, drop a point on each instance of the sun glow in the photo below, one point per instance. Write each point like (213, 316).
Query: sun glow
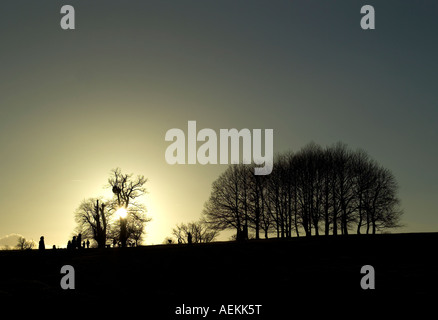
(121, 213)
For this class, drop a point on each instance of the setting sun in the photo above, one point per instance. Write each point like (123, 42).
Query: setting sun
(121, 213)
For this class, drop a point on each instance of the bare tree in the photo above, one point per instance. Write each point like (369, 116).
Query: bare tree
(93, 220)
(278, 196)
(126, 188)
(136, 226)
(95, 216)
(344, 184)
(24, 244)
(363, 169)
(200, 231)
(223, 209)
(258, 212)
(381, 203)
(126, 191)
(135, 221)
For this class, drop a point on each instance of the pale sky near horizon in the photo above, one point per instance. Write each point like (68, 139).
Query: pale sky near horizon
(75, 104)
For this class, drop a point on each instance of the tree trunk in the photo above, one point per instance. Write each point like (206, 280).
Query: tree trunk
(368, 222)
(374, 225)
(359, 224)
(326, 208)
(296, 211)
(257, 222)
(335, 209)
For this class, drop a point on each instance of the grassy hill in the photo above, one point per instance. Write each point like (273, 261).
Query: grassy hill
(317, 275)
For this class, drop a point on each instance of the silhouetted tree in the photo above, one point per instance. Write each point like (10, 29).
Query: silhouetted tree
(363, 171)
(381, 204)
(24, 244)
(258, 212)
(93, 220)
(135, 222)
(199, 230)
(136, 225)
(126, 190)
(278, 197)
(223, 210)
(95, 217)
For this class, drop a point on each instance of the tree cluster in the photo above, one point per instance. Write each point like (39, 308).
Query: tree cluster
(316, 190)
(199, 230)
(95, 217)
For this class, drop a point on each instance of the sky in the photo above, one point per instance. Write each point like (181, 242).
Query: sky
(75, 104)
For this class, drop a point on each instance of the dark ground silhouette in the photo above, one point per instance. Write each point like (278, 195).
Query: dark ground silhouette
(318, 275)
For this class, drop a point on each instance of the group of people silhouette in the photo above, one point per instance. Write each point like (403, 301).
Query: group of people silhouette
(73, 244)
(77, 243)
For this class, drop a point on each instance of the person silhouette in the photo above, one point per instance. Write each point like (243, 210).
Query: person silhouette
(88, 244)
(69, 245)
(73, 243)
(79, 241)
(41, 245)
(189, 238)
